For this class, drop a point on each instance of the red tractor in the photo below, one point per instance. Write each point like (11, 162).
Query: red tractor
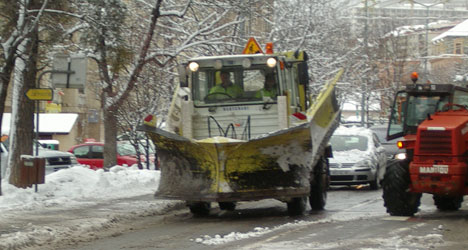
(433, 121)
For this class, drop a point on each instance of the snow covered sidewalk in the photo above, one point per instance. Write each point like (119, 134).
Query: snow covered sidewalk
(76, 201)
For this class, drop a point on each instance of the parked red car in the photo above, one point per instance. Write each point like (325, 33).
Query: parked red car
(91, 153)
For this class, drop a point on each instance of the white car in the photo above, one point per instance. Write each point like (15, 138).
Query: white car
(358, 157)
(55, 160)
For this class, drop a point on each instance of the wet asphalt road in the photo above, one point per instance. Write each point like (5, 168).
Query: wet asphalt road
(353, 219)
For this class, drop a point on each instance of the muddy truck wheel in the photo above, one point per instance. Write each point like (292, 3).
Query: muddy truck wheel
(319, 185)
(199, 208)
(447, 203)
(297, 206)
(397, 198)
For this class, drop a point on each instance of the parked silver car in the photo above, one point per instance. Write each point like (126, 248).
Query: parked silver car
(390, 146)
(358, 157)
(55, 160)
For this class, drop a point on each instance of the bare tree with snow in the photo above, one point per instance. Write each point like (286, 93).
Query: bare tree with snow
(126, 38)
(20, 32)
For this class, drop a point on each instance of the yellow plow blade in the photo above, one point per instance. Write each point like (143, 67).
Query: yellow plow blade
(221, 169)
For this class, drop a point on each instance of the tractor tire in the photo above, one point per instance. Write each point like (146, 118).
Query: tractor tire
(447, 203)
(319, 186)
(229, 206)
(397, 198)
(199, 208)
(297, 206)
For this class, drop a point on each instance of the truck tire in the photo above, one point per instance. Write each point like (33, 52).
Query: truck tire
(199, 208)
(447, 203)
(397, 198)
(297, 206)
(230, 206)
(319, 186)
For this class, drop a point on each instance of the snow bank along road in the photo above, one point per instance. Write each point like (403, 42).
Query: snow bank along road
(56, 226)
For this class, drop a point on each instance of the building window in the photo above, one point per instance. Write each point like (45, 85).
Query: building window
(458, 48)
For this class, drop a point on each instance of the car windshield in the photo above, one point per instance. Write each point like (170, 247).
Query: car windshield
(348, 142)
(126, 148)
(381, 133)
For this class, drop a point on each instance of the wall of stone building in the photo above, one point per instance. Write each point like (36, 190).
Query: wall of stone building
(448, 46)
(66, 140)
(87, 105)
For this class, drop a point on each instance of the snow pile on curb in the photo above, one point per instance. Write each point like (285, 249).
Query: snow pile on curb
(75, 188)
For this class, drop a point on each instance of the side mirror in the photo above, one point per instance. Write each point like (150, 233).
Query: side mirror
(183, 77)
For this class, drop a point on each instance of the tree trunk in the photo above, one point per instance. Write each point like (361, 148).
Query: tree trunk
(5, 77)
(21, 140)
(4, 81)
(110, 138)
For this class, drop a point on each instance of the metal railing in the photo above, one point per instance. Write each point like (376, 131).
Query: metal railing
(245, 133)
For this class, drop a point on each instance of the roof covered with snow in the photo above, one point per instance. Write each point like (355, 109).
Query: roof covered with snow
(354, 130)
(355, 105)
(459, 30)
(410, 29)
(48, 122)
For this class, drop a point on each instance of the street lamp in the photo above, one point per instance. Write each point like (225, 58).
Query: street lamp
(427, 6)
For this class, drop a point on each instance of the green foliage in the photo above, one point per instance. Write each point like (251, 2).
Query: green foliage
(120, 57)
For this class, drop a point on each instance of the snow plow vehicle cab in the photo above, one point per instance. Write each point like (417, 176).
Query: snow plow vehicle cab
(244, 128)
(433, 121)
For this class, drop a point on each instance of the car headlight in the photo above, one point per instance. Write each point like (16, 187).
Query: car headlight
(363, 164)
(400, 156)
(73, 160)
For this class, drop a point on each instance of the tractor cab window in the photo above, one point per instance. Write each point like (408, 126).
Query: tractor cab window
(234, 85)
(395, 125)
(419, 107)
(460, 97)
(409, 111)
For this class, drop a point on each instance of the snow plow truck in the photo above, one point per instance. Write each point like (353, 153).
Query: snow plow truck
(433, 121)
(244, 128)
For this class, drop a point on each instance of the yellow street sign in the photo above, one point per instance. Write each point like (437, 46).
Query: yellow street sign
(252, 47)
(40, 94)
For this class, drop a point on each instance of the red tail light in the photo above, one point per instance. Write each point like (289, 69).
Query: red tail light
(148, 118)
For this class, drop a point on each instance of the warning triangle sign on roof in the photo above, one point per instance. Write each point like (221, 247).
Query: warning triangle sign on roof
(252, 47)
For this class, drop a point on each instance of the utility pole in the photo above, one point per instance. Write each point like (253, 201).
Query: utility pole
(245, 26)
(364, 84)
(426, 54)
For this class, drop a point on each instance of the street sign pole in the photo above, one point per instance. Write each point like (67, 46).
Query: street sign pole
(37, 128)
(37, 137)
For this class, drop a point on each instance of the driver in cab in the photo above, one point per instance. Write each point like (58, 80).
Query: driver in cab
(226, 89)
(269, 89)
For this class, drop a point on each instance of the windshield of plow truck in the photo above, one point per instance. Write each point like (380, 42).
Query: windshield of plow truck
(234, 85)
